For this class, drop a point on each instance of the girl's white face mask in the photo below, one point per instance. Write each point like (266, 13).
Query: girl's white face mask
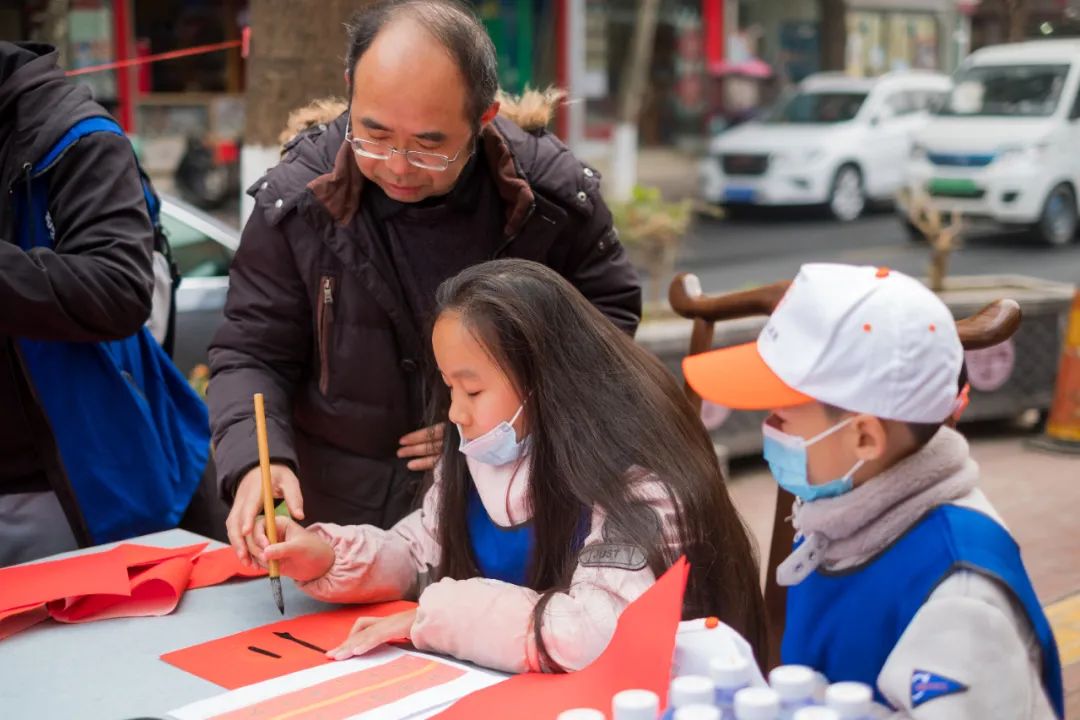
(498, 446)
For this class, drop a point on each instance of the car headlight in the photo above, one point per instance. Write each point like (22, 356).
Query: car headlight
(918, 151)
(795, 158)
(1030, 152)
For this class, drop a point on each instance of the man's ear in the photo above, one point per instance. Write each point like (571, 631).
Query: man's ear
(489, 114)
(871, 437)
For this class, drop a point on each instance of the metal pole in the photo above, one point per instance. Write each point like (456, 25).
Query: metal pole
(125, 94)
(575, 63)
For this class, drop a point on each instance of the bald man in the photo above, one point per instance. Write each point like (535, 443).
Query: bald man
(332, 289)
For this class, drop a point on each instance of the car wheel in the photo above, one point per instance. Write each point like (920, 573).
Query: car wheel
(1057, 224)
(847, 198)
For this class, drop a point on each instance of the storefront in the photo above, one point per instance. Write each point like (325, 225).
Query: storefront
(880, 41)
(675, 99)
(161, 104)
(881, 35)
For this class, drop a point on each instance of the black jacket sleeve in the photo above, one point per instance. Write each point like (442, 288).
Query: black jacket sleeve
(262, 347)
(598, 266)
(96, 282)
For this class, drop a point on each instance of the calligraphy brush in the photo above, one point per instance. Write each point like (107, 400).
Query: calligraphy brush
(268, 498)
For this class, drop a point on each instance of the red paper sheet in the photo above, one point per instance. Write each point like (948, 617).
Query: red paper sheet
(638, 656)
(18, 619)
(125, 581)
(28, 585)
(154, 590)
(231, 662)
(217, 566)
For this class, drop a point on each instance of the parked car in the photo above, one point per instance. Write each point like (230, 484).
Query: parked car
(203, 248)
(1003, 148)
(837, 141)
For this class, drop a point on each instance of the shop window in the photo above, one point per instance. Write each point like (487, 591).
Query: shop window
(880, 42)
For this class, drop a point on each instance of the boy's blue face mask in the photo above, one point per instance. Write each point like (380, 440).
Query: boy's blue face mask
(786, 455)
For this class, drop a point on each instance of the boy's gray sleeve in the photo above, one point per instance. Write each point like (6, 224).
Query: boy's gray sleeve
(969, 652)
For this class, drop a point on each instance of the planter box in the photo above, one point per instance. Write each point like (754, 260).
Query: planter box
(1006, 380)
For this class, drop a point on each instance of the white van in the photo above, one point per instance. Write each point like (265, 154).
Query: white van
(837, 141)
(1005, 147)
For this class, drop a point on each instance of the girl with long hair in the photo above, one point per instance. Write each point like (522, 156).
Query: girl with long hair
(574, 472)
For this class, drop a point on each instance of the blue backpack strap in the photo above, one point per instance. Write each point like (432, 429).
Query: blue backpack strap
(77, 131)
(89, 126)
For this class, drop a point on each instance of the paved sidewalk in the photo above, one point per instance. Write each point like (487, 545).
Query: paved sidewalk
(1038, 495)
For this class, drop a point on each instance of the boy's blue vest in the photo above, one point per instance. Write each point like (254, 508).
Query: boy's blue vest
(845, 624)
(132, 435)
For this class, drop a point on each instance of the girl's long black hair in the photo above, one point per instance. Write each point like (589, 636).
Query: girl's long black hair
(599, 407)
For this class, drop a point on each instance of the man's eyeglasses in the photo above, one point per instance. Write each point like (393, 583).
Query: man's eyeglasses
(416, 158)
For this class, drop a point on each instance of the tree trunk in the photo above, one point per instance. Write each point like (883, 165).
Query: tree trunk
(296, 56)
(634, 80)
(52, 21)
(1016, 14)
(297, 51)
(833, 24)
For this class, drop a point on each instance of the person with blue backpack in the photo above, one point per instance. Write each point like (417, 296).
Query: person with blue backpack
(101, 438)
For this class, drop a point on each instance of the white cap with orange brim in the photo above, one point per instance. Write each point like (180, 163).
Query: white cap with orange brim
(865, 339)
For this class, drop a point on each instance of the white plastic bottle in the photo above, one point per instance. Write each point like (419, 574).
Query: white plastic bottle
(581, 714)
(850, 700)
(795, 685)
(635, 705)
(697, 712)
(757, 703)
(689, 690)
(730, 674)
(817, 712)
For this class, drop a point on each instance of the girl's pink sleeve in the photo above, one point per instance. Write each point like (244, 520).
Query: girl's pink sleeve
(375, 565)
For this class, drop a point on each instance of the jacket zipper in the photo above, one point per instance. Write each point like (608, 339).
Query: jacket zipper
(325, 321)
(31, 211)
(507, 242)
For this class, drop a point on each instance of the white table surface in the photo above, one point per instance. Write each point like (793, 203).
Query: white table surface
(111, 669)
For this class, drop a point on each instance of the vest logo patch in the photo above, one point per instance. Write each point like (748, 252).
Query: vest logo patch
(622, 556)
(927, 686)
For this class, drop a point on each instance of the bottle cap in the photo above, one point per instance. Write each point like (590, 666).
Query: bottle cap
(635, 705)
(581, 714)
(697, 712)
(691, 690)
(849, 699)
(757, 703)
(815, 713)
(730, 671)
(793, 682)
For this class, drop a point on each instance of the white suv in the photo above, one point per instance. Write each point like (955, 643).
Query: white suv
(1004, 147)
(837, 141)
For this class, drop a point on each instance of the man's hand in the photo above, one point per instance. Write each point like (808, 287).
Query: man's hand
(370, 632)
(301, 554)
(425, 445)
(249, 503)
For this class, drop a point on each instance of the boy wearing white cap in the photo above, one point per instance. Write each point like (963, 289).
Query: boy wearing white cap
(903, 575)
